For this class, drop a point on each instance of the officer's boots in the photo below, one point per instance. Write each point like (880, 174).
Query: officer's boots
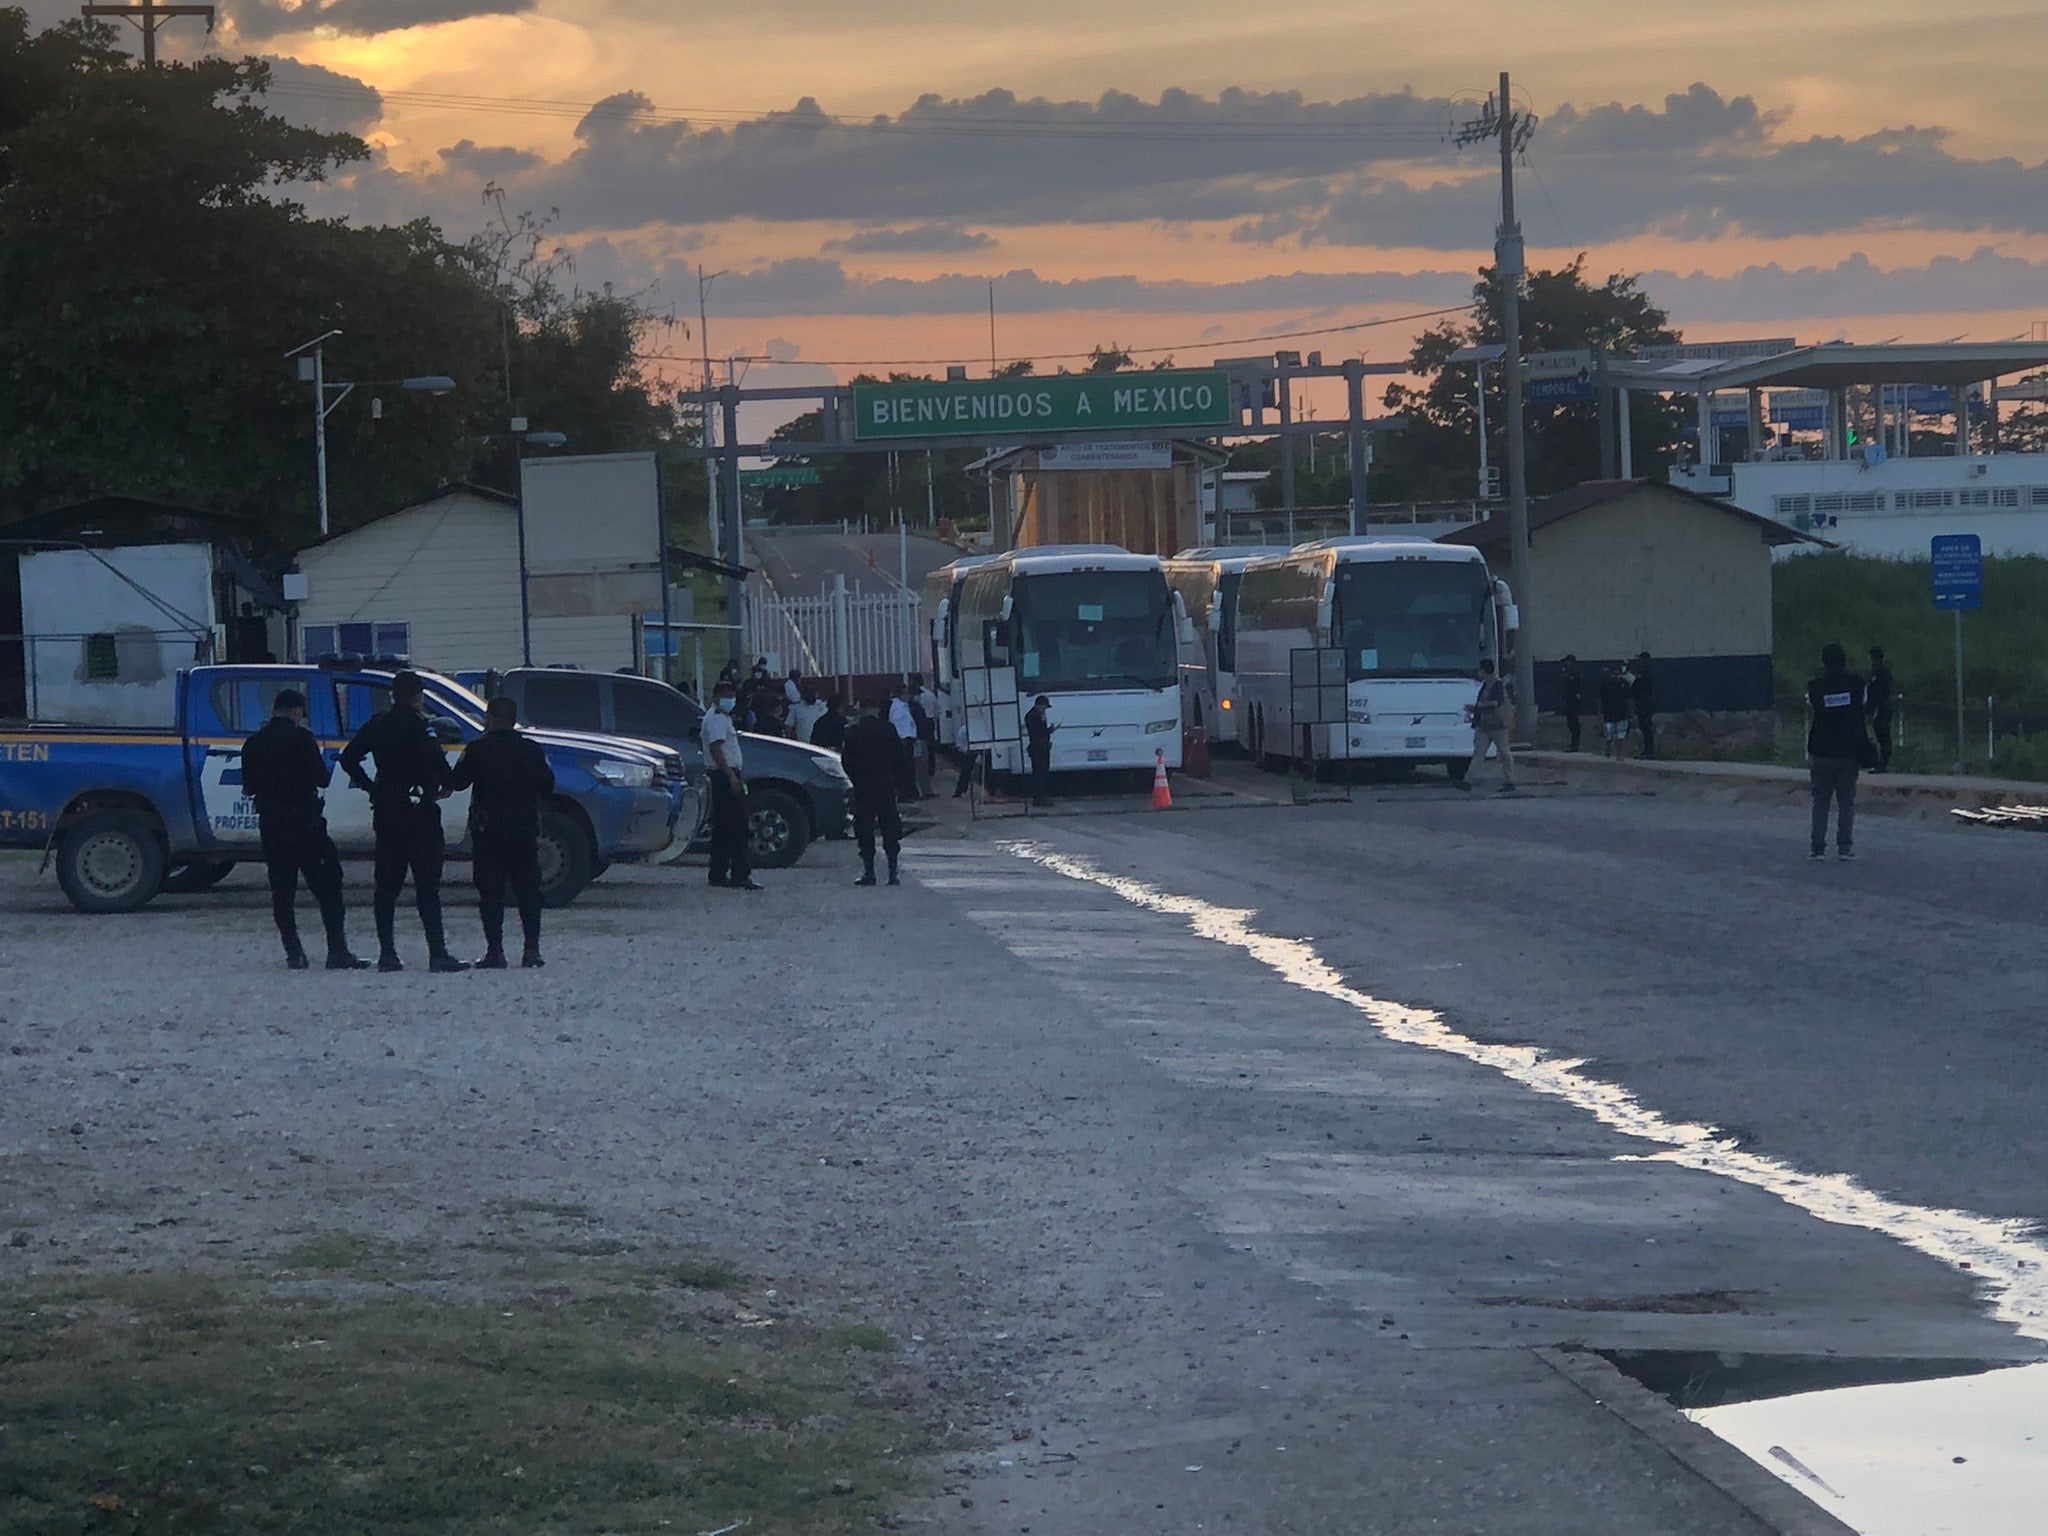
(494, 958)
(893, 880)
(295, 955)
(531, 960)
(867, 871)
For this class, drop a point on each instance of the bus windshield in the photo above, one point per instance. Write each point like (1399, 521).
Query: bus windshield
(1413, 618)
(1226, 621)
(1094, 629)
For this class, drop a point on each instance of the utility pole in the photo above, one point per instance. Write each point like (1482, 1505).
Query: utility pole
(1500, 120)
(149, 15)
(709, 429)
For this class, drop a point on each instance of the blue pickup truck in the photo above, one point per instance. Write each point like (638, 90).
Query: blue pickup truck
(125, 814)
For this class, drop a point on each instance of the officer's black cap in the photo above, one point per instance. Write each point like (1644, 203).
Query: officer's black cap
(408, 685)
(287, 700)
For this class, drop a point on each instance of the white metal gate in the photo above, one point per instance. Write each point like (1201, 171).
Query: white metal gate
(843, 631)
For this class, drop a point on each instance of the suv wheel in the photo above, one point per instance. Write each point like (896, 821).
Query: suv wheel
(111, 861)
(567, 861)
(778, 831)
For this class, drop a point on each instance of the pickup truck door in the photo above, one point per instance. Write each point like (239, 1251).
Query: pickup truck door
(353, 702)
(224, 707)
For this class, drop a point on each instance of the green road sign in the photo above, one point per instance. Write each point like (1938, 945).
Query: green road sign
(1080, 402)
(791, 474)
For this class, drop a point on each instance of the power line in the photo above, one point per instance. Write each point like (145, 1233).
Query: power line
(1064, 357)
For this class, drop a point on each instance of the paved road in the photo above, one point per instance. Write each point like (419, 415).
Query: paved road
(1879, 1019)
(800, 563)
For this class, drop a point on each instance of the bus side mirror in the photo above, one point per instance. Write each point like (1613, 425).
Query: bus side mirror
(992, 643)
(1009, 602)
(1511, 619)
(1326, 607)
(1183, 626)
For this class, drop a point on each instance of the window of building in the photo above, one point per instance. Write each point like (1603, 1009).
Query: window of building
(356, 639)
(102, 659)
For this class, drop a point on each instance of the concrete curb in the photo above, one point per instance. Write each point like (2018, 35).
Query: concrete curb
(1899, 789)
(1781, 1508)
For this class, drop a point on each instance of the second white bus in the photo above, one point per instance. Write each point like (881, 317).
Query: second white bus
(1413, 620)
(1206, 582)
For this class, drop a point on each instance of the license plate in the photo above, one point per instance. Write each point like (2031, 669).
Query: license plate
(1416, 743)
(1098, 755)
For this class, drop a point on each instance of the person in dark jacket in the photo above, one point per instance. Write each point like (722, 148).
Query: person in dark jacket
(1835, 748)
(1882, 691)
(508, 778)
(1572, 698)
(405, 812)
(872, 757)
(1614, 711)
(830, 731)
(1038, 729)
(1643, 694)
(284, 772)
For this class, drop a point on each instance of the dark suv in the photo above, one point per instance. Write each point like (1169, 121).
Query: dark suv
(795, 792)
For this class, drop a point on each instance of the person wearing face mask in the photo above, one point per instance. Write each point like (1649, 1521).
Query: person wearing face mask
(721, 740)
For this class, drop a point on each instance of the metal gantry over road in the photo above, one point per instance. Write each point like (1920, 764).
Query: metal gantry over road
(1238, 397)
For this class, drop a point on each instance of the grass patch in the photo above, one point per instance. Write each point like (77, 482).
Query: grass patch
(1861, 601)
(350, 1254)
(161, 1404)
(702, 1274)
(864, 1336)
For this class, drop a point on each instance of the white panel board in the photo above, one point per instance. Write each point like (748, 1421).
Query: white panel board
(591, 513)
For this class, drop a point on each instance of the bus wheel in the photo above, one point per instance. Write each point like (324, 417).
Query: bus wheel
(1271, 762)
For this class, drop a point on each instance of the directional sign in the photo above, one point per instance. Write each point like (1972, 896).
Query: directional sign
(1079, 402)
(1545, 365)
(1561, 388)
(1714, 351)
(787, 474)
(1958, 570)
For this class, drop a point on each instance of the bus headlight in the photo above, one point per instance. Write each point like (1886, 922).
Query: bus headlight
(616, 770)
(1154, 727)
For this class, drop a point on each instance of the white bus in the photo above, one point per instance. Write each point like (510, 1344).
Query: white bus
(1206, 582)
(939, 602)
(1097, 631)
(1413, 620)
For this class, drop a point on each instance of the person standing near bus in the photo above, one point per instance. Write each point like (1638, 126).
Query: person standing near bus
(1038, 729)
(1489, 717)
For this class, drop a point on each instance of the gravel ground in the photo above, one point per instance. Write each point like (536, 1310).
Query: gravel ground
(1131, 1208)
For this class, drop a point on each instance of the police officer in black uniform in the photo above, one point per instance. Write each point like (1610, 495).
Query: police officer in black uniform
(508, 777)
(405, 808)
(284, 772)
(1835, 749)
(873, 757)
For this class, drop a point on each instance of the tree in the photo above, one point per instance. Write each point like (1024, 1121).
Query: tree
(148, 212)
(1436, 457)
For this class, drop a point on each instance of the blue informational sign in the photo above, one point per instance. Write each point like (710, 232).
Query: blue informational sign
(1800, 418)
(1568, 387)
(1958, 570)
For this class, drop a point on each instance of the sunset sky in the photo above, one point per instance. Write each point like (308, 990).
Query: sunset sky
(1186, 174)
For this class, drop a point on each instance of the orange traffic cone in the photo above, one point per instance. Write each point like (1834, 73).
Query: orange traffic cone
(1162, 796)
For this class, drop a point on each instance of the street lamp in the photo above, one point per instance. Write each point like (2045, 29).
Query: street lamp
(312, 358)
(521, 441)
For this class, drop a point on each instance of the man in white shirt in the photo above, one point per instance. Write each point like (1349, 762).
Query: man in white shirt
(721, 740)
(905, 725)
(793, 688)
(929, 703)
(804, 715)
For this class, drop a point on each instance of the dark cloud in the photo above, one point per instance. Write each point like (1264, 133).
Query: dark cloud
(1983, 280)
(987, 159)
(915, 237)
(256, 19)
(1373, 170)
(488, 162)
(316, 97)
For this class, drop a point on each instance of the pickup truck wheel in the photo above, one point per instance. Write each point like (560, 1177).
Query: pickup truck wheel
(190, 879)
(1457, 767)
(778, 832)
(567, 861)
(111, 861)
